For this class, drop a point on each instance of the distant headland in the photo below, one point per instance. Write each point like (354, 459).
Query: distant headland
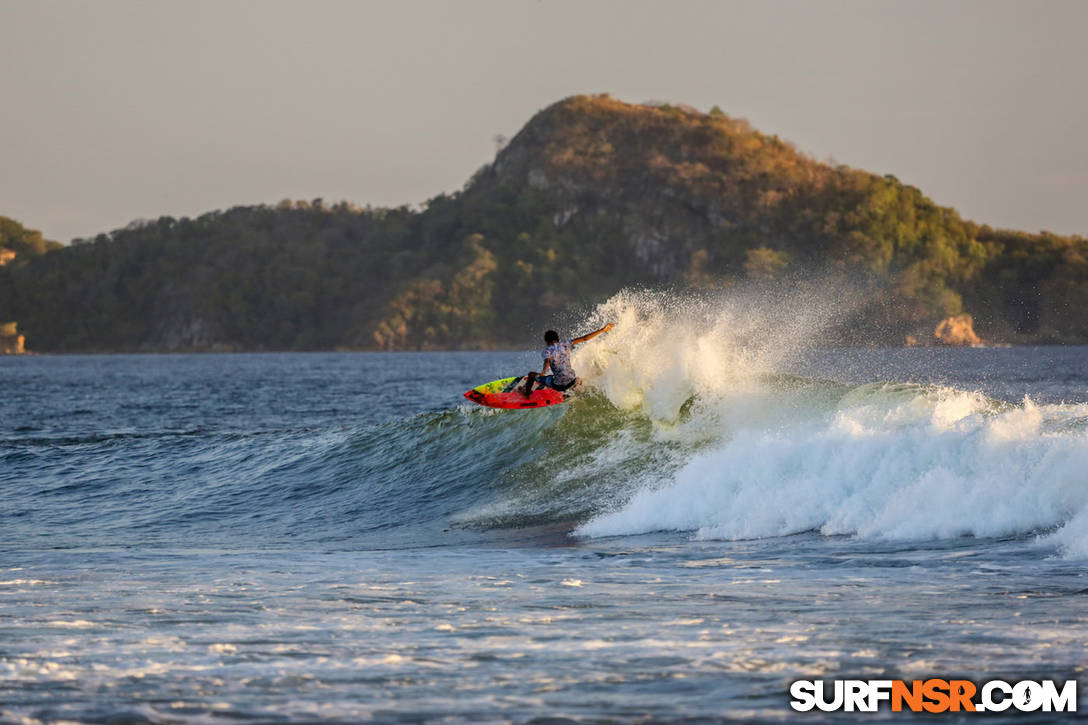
(593, 195)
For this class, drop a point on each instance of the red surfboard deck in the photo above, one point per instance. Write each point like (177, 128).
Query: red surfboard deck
(506, 393)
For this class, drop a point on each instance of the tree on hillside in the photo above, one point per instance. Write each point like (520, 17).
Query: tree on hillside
(23, 241)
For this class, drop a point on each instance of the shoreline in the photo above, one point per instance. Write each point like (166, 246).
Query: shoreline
(511, 349)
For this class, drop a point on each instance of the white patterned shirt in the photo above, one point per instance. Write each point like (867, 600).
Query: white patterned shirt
(559, 355)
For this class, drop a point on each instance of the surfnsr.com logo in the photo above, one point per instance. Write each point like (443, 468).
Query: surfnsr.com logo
(933, 695)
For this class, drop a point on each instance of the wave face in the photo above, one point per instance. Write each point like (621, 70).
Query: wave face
(710, 415)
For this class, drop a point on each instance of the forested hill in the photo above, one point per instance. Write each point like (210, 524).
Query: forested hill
(593, 195)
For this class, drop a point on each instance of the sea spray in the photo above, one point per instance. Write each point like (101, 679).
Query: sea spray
(670, 348)
(762, 453)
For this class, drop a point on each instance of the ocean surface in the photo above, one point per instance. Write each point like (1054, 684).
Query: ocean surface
(342, 537)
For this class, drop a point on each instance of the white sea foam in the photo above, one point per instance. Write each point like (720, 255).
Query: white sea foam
(892, 461)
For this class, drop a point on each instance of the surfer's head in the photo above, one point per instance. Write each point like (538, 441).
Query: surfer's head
(551, 337)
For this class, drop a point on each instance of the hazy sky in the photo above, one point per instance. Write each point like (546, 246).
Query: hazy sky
(111, 111)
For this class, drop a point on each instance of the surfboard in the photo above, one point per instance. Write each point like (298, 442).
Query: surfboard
(505, 394)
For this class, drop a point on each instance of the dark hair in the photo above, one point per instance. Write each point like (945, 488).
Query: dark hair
(551, 336)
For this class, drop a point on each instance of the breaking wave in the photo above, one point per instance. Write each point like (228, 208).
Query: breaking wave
(779, 455)
(693, 419)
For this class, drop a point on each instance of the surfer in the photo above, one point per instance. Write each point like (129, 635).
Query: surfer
(557, 358)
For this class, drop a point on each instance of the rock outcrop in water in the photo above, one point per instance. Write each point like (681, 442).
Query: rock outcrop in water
(957, 330)
(592, 196)
(11, 342)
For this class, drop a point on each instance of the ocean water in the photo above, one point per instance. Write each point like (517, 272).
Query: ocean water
(724, 509)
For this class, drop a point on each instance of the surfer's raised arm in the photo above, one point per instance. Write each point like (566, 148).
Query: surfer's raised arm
(590, 336)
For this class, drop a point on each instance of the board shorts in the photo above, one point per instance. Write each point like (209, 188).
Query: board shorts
(549, 381)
